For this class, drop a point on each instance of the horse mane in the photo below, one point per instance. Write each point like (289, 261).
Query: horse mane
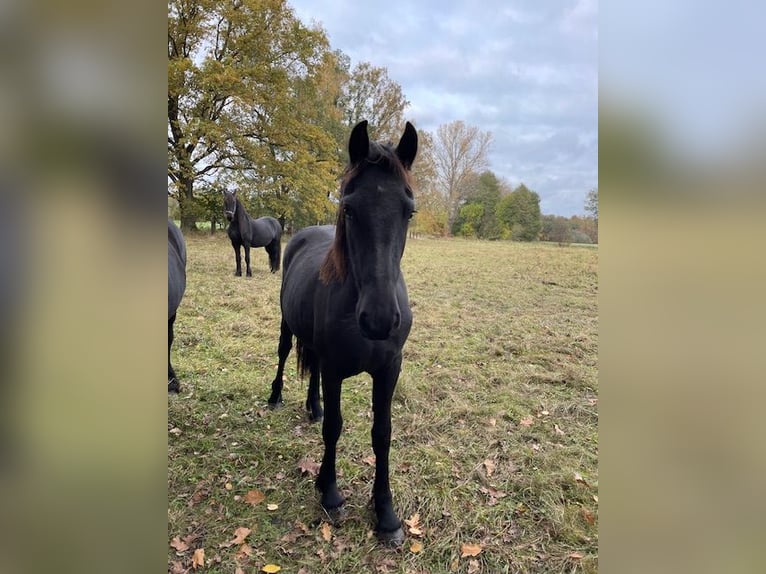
(334, 266)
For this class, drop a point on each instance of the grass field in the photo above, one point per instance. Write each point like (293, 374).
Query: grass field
(495, 421)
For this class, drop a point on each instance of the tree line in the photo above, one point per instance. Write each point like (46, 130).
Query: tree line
(261, 103)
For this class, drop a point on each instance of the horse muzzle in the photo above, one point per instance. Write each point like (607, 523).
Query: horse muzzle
(229, 215)
(379, 326)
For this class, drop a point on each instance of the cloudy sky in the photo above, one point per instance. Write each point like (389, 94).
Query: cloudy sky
(525, 71)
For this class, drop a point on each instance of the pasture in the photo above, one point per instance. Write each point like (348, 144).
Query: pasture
(494, 450)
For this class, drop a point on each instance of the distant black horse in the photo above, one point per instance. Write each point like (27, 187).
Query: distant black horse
(244, 230)
(344, 299)
(176, 288)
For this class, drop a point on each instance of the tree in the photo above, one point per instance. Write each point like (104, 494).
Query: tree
(591, 204)
(519, 212)
(431, 213)
(236, 72)
(459, 152)
(369, 94)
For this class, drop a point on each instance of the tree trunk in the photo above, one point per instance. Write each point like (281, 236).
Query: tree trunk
(186, 203)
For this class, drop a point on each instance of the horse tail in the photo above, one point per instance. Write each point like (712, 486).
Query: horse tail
(307, 359)
(275, 248)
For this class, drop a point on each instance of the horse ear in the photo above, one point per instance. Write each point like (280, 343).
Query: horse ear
(358, 143)
(408, 146)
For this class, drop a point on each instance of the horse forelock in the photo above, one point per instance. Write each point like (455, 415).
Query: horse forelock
(334, 267)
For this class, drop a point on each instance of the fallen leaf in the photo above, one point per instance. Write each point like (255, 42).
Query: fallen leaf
(239, 570)
(492, 422)
(595, 498)
(175, 430)
(527, 421)
(473, 566)
(179, 545)
(578, 478)
(416, 547)
(272, 506)
(303, 570)
(489, 466)
(198, 558)
(271, 568)
(369, 460)
(254, 497)
(470, 550)
(308, 466)
(588, 516)
(414, 524)
(244, 550)
(415, 531)
(176, 567)
(239, 537)
(558, 430)
(576, 555)
(228, 486)
(326, 531)
(544, 413)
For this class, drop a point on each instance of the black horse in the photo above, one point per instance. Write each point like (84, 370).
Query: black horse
(248, 232)
(176, 288)
(344, 299)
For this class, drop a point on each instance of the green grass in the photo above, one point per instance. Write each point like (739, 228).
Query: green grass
(504, 334)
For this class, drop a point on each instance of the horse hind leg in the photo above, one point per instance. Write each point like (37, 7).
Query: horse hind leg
(313, 406)
(285, 345)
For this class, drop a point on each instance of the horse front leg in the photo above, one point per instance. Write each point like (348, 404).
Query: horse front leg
(285, 344)
(247, 260)
(238, 259)
(332, 424)
(389, 527)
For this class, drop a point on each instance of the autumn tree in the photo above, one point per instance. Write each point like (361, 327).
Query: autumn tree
(459, 151)
(369, 94)
(484, 190)
(236, 73)
(431, 213)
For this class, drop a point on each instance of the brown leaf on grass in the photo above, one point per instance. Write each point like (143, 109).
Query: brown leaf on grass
(414, 524)
(489, 466)
(179, 545)
(244, 550)
(176, 567)
(527, 421)
(416, 547)
(370, 460)
(588, 516)
(470, 550)
(326, 531)
(383, 566)
(239, 537)
(308, 466)
(578, 478)
(558, 430)
(254, 497)
(493, 494)
(473, 566)
(198, 558)
(576, 556)
(300, 529)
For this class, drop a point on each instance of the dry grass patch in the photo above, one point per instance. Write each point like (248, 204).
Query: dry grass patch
(495, 420)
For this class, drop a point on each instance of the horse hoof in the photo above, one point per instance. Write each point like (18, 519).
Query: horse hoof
(174, 385)
(394, 538)
(337, 516)
(275, 406)
(315, 419)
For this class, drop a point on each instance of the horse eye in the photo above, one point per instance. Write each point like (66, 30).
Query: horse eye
(347, 211)
(413, 212)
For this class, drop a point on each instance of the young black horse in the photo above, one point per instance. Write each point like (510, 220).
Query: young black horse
(176, 288)
(344, 298)
(248, 232)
